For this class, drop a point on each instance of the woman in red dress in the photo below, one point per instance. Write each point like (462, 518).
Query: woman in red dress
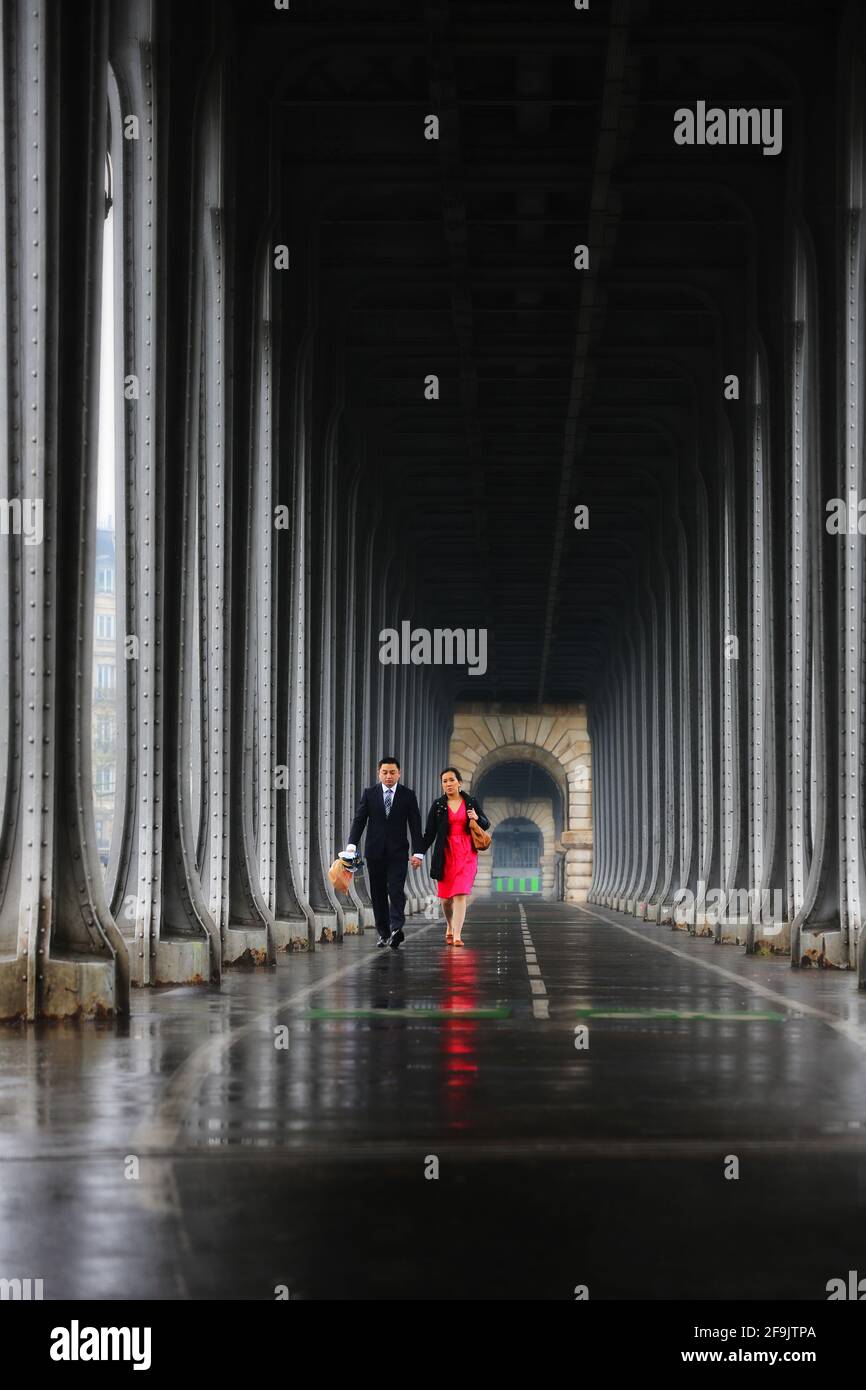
(455, 858)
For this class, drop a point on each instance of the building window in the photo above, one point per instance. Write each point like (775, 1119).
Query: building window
(105, 626)
(105, 779)
(105, 580)
(104, 676)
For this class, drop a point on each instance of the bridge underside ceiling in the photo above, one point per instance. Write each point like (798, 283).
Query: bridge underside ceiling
(558, 387)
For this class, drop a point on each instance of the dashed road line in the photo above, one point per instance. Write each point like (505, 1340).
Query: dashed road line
(540, 1002)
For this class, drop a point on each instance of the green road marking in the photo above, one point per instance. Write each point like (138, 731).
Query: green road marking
(750, 1016)
(503, 1011)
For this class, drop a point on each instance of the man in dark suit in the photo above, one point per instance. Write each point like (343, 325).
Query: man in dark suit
(390, 814)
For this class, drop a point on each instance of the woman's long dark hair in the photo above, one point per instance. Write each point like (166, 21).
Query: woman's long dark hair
(450, 769)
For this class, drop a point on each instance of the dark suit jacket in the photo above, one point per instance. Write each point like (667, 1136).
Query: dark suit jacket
(387, 834)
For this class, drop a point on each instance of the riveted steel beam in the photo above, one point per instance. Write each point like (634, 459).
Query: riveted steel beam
(62, 953)
(140, 218)
(251, 932)
(813, 637)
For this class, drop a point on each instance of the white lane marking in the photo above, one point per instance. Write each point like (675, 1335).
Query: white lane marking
(854, 1031)
(540, 1007)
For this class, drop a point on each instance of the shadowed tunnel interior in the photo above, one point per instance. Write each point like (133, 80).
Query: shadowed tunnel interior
(478, 384)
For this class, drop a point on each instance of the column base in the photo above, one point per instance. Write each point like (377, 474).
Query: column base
(13, 990)
(326, 927)
(291, 935)
(74, 987)
(245, 946)
(177, 963)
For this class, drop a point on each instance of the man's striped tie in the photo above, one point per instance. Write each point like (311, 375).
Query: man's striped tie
(389, 797)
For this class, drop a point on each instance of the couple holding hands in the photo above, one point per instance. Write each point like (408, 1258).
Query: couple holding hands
(390, 815)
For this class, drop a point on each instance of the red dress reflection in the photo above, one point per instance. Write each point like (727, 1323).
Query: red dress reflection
(459, 1056)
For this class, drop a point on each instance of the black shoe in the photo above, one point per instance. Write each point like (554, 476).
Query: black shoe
(383, 941)
(395, 938)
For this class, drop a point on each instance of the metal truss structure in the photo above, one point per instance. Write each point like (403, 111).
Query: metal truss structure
(360, 377)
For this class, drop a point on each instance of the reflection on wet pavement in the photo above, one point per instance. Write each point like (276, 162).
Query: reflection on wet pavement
(281, 1128)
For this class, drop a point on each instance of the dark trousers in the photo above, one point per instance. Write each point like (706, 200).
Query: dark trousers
(387, 879)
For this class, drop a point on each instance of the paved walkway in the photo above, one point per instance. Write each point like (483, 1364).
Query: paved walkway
(281, 1132)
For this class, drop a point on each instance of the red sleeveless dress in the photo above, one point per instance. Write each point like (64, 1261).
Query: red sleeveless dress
(461, 861)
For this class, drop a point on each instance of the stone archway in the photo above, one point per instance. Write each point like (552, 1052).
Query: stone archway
(540, 813)
(554, 737)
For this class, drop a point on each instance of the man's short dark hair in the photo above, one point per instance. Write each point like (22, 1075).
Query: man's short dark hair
(382, 762)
